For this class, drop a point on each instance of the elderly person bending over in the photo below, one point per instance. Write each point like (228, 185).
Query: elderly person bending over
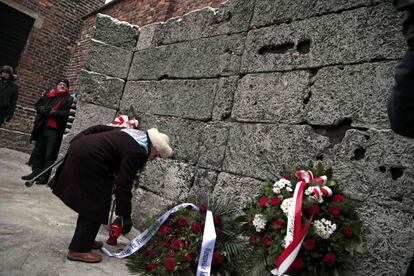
(84, 181)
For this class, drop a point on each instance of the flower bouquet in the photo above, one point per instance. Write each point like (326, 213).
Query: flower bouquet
(175, 248)
(302, 225)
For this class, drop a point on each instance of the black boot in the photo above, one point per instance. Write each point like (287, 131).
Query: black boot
(43, 180)
(29, 176)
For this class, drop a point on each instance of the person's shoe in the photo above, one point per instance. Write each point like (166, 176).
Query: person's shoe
(29, 176)
(87, 257)
(97, 245)
(42, 181)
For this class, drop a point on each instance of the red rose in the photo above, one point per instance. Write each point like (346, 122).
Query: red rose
(298, 263)
(279, 224)
(196, 227)
(177, 244)
(202, 208)
(165, 244)
(334, 211)
(165, 230)
(313, 208)
(309, 244)
(217, 258)
(151, 266)
(182, 222)
(263, 201)
(253, 239)
(287, 177)
(170, 264)
(275, 202)
(189, 257)
(329, 259)
(217, 219)
(338, 198)
(347, 231)
(266, 240)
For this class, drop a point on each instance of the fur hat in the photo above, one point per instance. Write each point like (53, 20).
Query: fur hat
(160, 142)
(65, 81)
(7, 69)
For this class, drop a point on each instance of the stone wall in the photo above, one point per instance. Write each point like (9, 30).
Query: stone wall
(243, 89)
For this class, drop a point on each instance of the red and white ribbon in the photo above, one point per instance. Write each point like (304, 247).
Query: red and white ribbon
(124, 121)
(295, 232)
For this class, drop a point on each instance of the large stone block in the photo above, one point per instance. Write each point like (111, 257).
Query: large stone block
(281, 11)
(239, 189)
(357, 92)
(168, 178)
(114, 32)
(184, 135)
(359, 35)
(213, 146)
(208, 57)
(100, 89)
(260, 150)
(181, 98)
(230, 17)
(149, 36)
(108, 60)
(204, 182)
(223, 101)
(377, 165)
(275, 97)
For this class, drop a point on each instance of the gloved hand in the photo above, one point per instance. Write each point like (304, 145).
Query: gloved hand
(126, 225)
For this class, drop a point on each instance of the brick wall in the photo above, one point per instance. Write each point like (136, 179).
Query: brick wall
(47, 51)
(137, 12)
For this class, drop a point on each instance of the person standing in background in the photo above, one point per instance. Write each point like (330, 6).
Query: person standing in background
(8, 94)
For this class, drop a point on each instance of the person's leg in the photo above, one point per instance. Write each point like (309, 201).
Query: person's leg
(37, 156)
(51, 138)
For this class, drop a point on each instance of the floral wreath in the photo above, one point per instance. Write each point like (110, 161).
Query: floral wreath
(302, 225)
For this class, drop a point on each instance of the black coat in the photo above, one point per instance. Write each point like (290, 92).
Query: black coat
(8, 98)
(84, 182)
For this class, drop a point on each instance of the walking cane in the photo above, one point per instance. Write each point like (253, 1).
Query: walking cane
(57, 163)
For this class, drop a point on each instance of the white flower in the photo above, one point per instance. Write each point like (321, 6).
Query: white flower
(289, 189)
(286, 205)
(309, 190)
(259, 222)
(282, 183)
(324, 228)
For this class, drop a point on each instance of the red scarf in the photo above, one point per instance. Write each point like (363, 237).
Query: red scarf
(51, 122)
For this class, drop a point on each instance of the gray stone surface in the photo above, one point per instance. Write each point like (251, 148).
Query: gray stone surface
(213, 146)
(15, 140)
(357, 92)
(239, 189)
(168, 178)
(149, 36)
(204, 182)
(100, 89)
(360, 35)
(231, 17)
(208, 57)
(281, 11)
(259, 151)
(108, 60)
(184, 135)
(223, 101)
(182, 98)
(276, 97)
(114, 32)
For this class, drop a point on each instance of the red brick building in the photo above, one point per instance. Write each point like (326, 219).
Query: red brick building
(49, 39)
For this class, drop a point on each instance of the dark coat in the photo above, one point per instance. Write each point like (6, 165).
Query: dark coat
(401, 100)
(8, 98)
(85, 180)
(44, 111)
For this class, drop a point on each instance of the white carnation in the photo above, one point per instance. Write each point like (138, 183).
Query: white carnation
(279, 185)
(286, 205)
(259, 222)
(324, 228)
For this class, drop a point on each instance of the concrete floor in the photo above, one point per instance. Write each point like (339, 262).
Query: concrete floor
(36, 228)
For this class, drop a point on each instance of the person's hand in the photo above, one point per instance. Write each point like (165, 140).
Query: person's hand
(126, 225)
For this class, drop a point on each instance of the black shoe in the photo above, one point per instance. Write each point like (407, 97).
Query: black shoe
(42, 181)
(29, 176)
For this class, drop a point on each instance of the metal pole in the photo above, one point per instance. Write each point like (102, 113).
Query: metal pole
(57, 163)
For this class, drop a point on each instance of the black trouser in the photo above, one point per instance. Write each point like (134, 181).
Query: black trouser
(85, 234)
(44, 153)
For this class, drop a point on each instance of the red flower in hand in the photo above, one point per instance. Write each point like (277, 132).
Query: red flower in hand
(329, 259)
(309, 244)
(298, 263)
(217, 258)
(217, 219)
(189, 257)
(151, 266)
(177, 244)
(183, 222)
(170, 264)
(334, 211)
(347, 232)
(275, 201)
(263, 201)
(279, 224)
(196, 227)
(165, 230)
(202, 208)
(338, 198)
(266, 240)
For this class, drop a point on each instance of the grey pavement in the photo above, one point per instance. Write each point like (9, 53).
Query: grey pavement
(36, 228)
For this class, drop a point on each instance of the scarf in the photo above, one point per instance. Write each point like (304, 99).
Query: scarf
(51, 122)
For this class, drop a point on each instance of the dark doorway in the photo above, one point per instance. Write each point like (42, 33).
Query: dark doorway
(15, 28)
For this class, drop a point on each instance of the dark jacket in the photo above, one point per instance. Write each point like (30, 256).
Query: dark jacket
(84, 182)
(401, 101)
(44, 111)
(8, 98)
